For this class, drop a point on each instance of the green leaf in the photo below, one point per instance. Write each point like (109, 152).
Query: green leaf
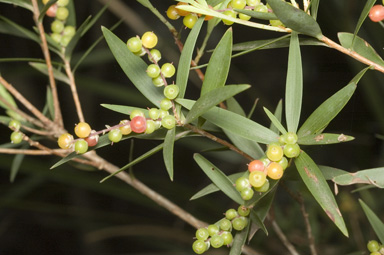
(328, 110)
(317, 185)
(275, 121)
(211, 98)
(294, 85)
(13, 28)
(45, 9)
(376, 223)
(134, 67)
(7, 97)
(361, 47)
(235, 123)
(186, 58)
(315, 8)
(49, 103)
(16, 163)
(364, 13)
(124, 109)
(330, 172)
(295, 18)
(324, 138)
(278, 114)
(239, 241)
(372, 176)
(169, 143)
(257, 221)
(257, 15)
(218, 178)
(22, 3)
(56, 73)
(211, 188)
(218, 66)
(145, 3)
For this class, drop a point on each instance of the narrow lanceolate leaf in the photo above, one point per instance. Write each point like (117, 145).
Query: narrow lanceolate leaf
(186, 58)
(363, 16)
(16, 163)
(275, 121)
(294, 85)
(134, 67)
(278, 115)
(361, 47)
(7, 97)
(124, 109)
(324, 139)
(315, 8)
(22, 3)
(257, 15)
(213, 97)
(169, 143)
(376, 223)
(218, 178)
(239, 241)
(10, 27)
(328, 110)
(56, 73)
(372, 176)
(330, 172)
(317, 185)
(145, 3)
(257, 221)
(218, 66)
(295, 18)
(235, 123)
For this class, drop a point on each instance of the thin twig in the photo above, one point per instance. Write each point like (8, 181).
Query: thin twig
(30, 152)
(44, 46)
(283, 238)
(311, 240)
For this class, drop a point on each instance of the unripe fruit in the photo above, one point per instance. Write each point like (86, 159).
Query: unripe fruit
(284, 163)
(149, 40)
(115, 135)
(163, 113)
(62, 13)
(155, 55)
(158, 81)
(154, 113)
(238, 4)
(57, 26)
(290, 138)
(242, 183)
(166, 104)
(62, 2)
(253, 2)
(243, 210)
(373, 246)
(172, 12)
(82, 129)
(126, 129)
(182, 12)
(151, 127)
(225, 224)
(199, 246)
(243, 16)
(134, 44)
(213, 229)
(138, 124)
(190, 20)
(171, 91)
(227, 237)
(136, 112)
(261, 8)
(14, 125)
(153, 70)
(292, 150)
(257, 179)
(230, 214)
(239, 223)
(168, 70)
(81, 146)
(230, 14)
(140, 53)
(64, 41)
(216, 241)
(56, 37)
(16, 137)
(65, 141)
(69, 31)
(376, 13)
(274, 152)
(247, 193)
(202, 234)
(168, 122)
(275, 171)
(276, 23)
(263, 188)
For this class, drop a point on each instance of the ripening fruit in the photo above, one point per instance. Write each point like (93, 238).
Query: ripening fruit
(190, 20)
(154, 55)
(275, 171)
(182, 12)
(172, 12)
(14, 125)
(126, 129)
(115, 135)
(373, 246)
(65, 141)
(168, 70)
(202, 234)
(239, 223)
(81, 146)
(92, 140)
(82, 129)
(199, 246)
(292, 150)
(274, 152)
(242, 183)
(376, 13)
(171, 91)
(51, 12)
(230, 14)
(257, 179)
(168, 122)
(216, 241)
(230, 214)
(256, 165)
(62, 13)
(138, 124)
(149, 40)
(134, 44)
(16, 137)
(227, 237)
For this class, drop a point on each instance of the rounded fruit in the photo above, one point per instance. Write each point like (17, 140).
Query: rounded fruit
(202, 234)
(82, 129)
(16, 137)
(153, 70)
(263, 188)
(56, 37)
(182, 12)
(172, 12)
(163, 113)
(62, 13)
(149, 40)
(290, 138)
(284, 163)
(230, 14)
(168, 70)
(134, 44)
(69, 31)
(65, 141)
(92, 140)
(216, 241)
(256, 165)
(199, 246)
(261, 8)
(115, 135)
(14, 125)
(190, 20)
(238, 4)
(136, 112)
(158, 81)
(213, 229)
(155, 55)
(81, 146)
(64, 41)
(165, 104)
(276, 23)
(292, 150)
(51, 12)
(151, 127)
(247, 193)
(171, 91)
(62, 2)
(275, 171)
(274, 152)
(168, 122)
(253, 2)
(227, 237)
(230, 214)
(373, 246)
(242, 183)
(154, 113)
(257, 179)
(126, 129)
(225, 224)
(376, 13)
(138, 124)
(243, 210)
(239, 223)
(243, 16)
(57, 26)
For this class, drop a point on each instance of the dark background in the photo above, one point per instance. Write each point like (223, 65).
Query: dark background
(67, 210)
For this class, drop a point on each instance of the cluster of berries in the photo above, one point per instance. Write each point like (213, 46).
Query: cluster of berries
(60, 33)
(190, 19)
(376, 13)
(375, 248)
(219, 234)
(272, 165)
(17, 135)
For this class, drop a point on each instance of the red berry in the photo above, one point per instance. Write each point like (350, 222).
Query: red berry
(138, 124)
(256, 165)
(376, 13)
(92, 140)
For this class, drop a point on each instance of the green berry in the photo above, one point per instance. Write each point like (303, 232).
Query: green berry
(134, 44)
(62, 2)
(16, 137)
(199, 246)
(213, 230)
(261, 8)
(56, 37)
(239, 223)
(190, 20)
(243, 210)
(253, 2)
(375, 253)
(225, 224)
(65, 40)
(158, 81)
(171, 91)
(136, 112)
(62, 13)
(168, 70)
(247, 193)
(216, 241)
(166, 104)
(284, 163)
(292, 150)
(163, 113)
(227, 237)
(243, 16)
(202, 234)
(290, 138)
(373, 246)
(242, 183)
(265, 161)
(57, 26)
(81, 146)
(230, 214)
(155, 55)
(140, 53)
(230, 14)
(115, 135)
(69, 31)
(154, 113)
(238, 4)
(257, 179)
(276, 23)
(153, 70)
(274, 152)
(151, 127)
(14, 125)
(263, 188)
(168, 122)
